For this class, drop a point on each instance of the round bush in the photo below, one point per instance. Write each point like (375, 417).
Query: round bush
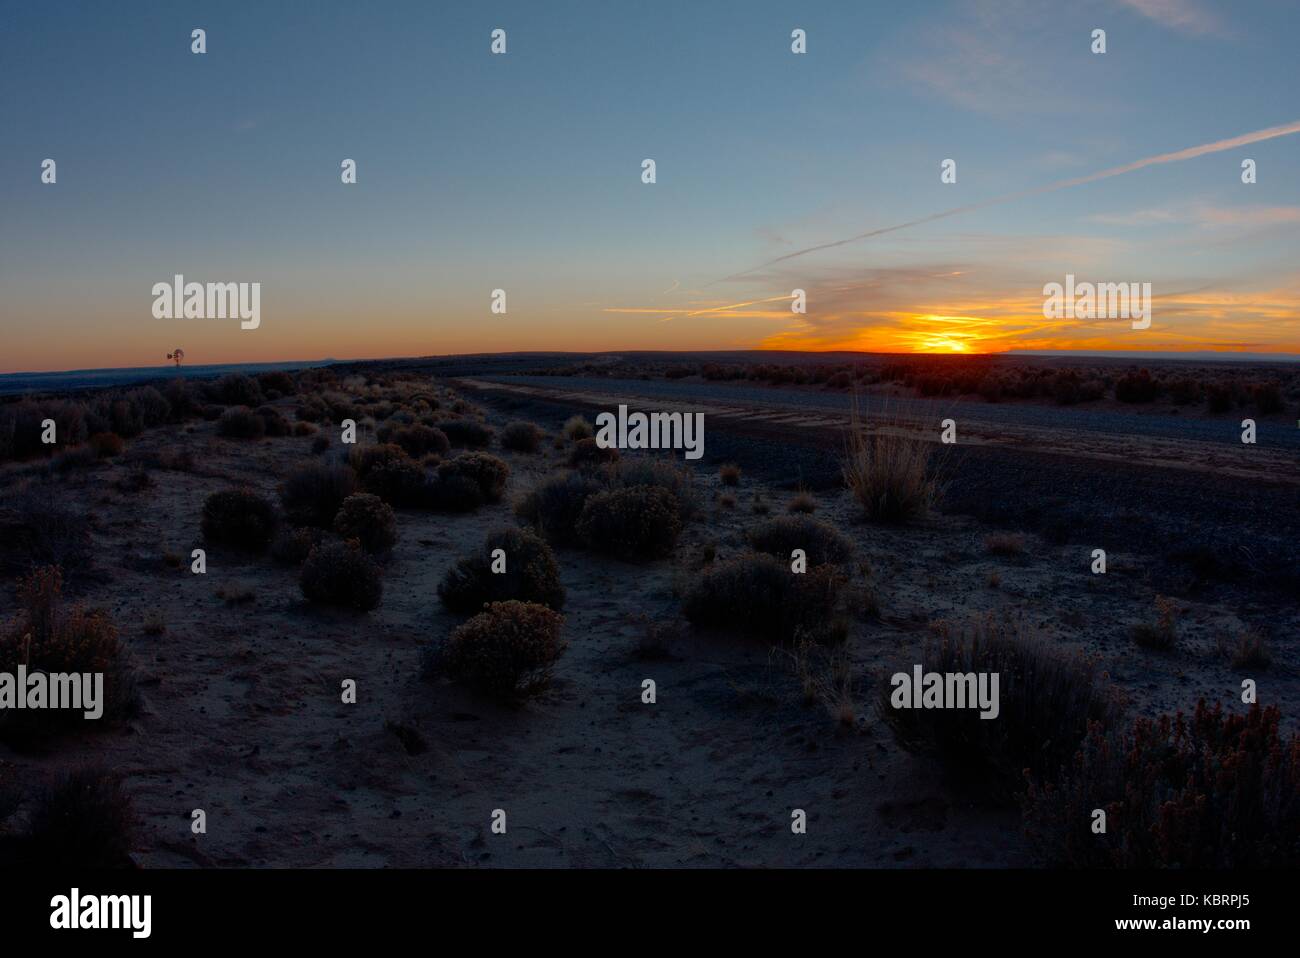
(273, 423)
(554, 505)
(508, 649)
(314, 491)
(292, 545)
(521, 436)
(240, 422)
(466, 432)
(531, 574)
(341, 574)
(417, 440)
(635, 524)
(238, 517)
(577, 427)
(487, 472)
(588, 453)
(819, 540)
(369, 520)
(759, 596)
(389, 473)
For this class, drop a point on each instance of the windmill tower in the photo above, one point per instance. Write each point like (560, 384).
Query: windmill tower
(178, 355)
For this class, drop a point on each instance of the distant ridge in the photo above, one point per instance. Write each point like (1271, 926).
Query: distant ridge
(72, 379)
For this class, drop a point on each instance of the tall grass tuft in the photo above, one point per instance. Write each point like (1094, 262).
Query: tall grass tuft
(889, 472)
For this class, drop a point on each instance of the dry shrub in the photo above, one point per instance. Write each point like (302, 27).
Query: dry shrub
(888, 473)
(388, 472)
(54, 639)
(466, 474)
(1249, 650)
(417, 440)
(314, 491)
(636, 523)
(577, 427)
(1046, 699)
(275, 424)
(319, 444)
(240, 422)
(292, 545)
(238, 517)
(467, 433)
(506, 650)
(679, 481)
(521, 436)
(760, 597)
(369, 520)
(107, 444)
(1163, 633)
(1211, 792)
(84, 821)
(531, 574)
(729, 474)
(554, 505)
(39, 524)
(341, 574)
(589, 454)
(821, 541)
(1004, 544)
(236, 389)
(803, 503)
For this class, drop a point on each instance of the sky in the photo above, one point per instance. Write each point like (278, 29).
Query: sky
(523, 172)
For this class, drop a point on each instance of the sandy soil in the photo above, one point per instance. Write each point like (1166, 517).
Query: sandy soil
(242, 713)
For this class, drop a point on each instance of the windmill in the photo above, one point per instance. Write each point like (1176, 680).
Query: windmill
(178, 355)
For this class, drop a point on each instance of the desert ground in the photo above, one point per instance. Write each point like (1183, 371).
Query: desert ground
(241, 714)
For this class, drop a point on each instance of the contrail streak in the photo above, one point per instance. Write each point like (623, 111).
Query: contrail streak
(1218, 146)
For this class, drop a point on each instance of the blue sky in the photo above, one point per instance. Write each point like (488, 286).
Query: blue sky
(522, 172)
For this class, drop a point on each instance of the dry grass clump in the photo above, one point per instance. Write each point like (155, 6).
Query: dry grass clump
(507, 650)
(888, 472)
(826, 677)
(1163, 632)
(729, 474)
(530, 574)
(1249, 650)
(802, 503)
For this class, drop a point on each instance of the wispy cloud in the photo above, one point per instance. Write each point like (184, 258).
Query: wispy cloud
(1191, 152)
(1185, 16)
(1203, 215)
